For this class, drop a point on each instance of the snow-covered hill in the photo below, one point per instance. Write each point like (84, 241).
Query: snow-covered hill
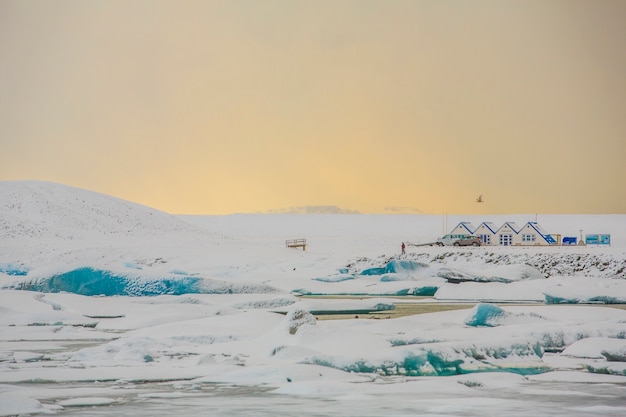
(48, 229)
(50, 210)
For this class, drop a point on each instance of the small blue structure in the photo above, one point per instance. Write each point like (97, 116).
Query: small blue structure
(598, 239)
(570, 240)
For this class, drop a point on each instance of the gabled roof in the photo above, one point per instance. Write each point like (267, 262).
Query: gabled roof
(546, 236)
(511, 225)
(467, 226)
(536, 226)
(488, 225)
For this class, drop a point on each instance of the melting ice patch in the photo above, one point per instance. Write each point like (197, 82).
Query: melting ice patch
(405, 277)
(117, 352)
(335, 278)
(579, 290)
(442, 360)
(13, 269)
(414, 290)
(265, 304)
(501, 273)
(402, 269)
(398, 277)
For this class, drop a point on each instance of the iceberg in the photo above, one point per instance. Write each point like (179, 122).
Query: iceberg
(395, 266)
(485, 314)
(91, 281)
(97, 282)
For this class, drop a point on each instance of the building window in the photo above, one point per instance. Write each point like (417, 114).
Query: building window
(506, 240)
(486, 239)
(529, 238)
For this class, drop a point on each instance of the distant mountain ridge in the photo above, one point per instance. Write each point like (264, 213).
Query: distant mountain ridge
(337, 210)
(310, 210)
(402, 210)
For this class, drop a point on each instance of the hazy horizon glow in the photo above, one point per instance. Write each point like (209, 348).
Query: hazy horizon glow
(221, 107)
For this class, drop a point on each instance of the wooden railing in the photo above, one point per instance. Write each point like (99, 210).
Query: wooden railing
(296, 243)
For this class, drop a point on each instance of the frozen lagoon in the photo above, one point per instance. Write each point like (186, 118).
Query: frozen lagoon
(247, 343)
(214, 354)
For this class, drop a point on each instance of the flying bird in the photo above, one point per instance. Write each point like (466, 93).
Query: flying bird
(480, 199)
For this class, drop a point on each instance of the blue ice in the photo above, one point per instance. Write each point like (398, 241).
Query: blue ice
(599, 299)
(13, 269)
(90, 281)
(484, 315)
(335, 278)
(394, 266)
(434, 363)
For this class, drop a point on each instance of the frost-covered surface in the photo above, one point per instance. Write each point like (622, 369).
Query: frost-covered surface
(107, 296)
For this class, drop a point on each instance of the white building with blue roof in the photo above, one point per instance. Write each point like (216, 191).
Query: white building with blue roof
(486, 232)
(507, 235)
(532, 234)
(463, 228)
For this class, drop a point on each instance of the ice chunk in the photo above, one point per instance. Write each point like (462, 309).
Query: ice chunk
(297, 318)
(578, 290)
(90, 281)
(426, 291)
(611, 349)
(395, 266)
(518, 359)
(485, 314)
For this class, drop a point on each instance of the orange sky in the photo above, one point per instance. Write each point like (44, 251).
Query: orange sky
(215, 107)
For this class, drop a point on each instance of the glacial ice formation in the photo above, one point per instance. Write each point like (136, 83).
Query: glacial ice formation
(93, 282)
(395, 266)
(484, 314)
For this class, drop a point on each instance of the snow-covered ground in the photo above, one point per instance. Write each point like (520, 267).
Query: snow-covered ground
(111, 306)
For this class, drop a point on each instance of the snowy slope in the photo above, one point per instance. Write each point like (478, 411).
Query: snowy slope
(49, 210)
(48, 228)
